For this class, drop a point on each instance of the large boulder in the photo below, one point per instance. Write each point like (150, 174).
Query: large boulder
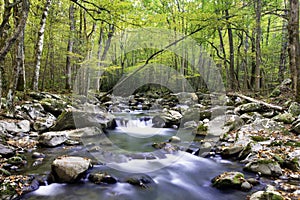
(54, 106)
(167, 119)
(53, 139)
(229, 180)
(286, 118)
(6, 151)
(265, 167)
(80, 119)
(69, 169)
(294, 109)
(22, 126)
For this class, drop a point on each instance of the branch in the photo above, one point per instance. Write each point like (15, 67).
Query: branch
(217, 50)
(150, 58)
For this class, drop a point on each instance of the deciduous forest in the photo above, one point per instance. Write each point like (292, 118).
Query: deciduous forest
(62, 62)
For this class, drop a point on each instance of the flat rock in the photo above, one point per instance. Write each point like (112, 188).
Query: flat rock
(52, 139)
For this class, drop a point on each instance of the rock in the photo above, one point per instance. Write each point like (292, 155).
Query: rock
(248, 107)
(16, 160)
(246, 186)
(4, 172)
(282, 88)
(294, 109)
(265, 167)
(5, 151)
(79, 119)
(175, 139)
(190, 125)
(231, 150)
(266, 195)
(201, 129)
(234, 122)
(253, 181)
(69, 169)
(15, 127)
(34, 110)
(296, 126)
(99, 178)
(52, 139)
(54, 106)
(38, 155)
(264, 124)
(228, 180)
(42, 124)
(206, 145)
(78, 134)
(143, 181)
(286, 118)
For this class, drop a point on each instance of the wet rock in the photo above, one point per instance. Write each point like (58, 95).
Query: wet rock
(228, 180)
(6, 151)
(52, 139)
(16, 160)
(231, 150)
(167, 119)
(248, 107)
(69, 169)
(175, 139)
(190, 125)
(79, 119)
(286, 118)
(143, 181)
(294, 109)
(246, 186)
(99, 178)
(253, 181)
(201, 129)
(265, 167)
(78, 134)
(38, 155)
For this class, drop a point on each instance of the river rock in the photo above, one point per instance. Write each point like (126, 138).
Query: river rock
(190, 125)
(248, 107)
(53, 139)
(99, 178)
(69, 169)
(6, 151)
(231, 150)
(54, 106)
(42, 124)
(286, 118)
(265, 167)
(78, 134)
(143, 181)
(175, 139)
(79, 119)
(228, 180)
(22, 126)
(266, 195)
(167, 119)
(294, 109)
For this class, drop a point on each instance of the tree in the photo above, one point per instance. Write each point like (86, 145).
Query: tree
(39, 46)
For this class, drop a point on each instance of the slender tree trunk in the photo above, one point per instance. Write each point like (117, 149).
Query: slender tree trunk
(21, 82)
(257, 45)
(294, 49)
(284, 48)
(70, 48)
(39, 46)
(231, 54)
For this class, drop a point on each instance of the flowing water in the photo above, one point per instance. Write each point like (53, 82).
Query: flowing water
(176, 176)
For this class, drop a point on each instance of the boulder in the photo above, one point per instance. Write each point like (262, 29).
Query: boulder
(175, 139)
(167, 119)
(45, 123)
(78, 134)
(54, 106)
(286, 118)
(265, 167)
(53, 139)
(6, 151)
(294, 109)
(248, 107)
(231, 150)
(99, 178)
(69, 169)
(79, 119)
(190, 125)
(284, 87)
(228, 180)
(140, 180)
(22, 126)
(266, 195)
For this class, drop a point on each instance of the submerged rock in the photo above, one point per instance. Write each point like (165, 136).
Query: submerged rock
(69, 169)
(143, 181)
(99, 178)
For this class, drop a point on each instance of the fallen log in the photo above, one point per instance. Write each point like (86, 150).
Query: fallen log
(268, 105)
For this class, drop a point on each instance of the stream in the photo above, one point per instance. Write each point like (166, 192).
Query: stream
(179, 175)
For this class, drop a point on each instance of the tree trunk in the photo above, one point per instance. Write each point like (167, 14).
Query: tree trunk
(284, 47)
(70, 48)
(231, 54)
(293, 49)
(257, 45)
(39, 46)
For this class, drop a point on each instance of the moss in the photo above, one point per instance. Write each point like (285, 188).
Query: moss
(292, 144)
(279, 159)
(201, 127)
(237, 178)
(271, 196)
(258, 138)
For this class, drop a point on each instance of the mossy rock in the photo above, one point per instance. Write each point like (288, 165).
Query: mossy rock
(258, 138)
(16, 160)
(228, 180)
(266, 195)
(4, 172)
(286, 118)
